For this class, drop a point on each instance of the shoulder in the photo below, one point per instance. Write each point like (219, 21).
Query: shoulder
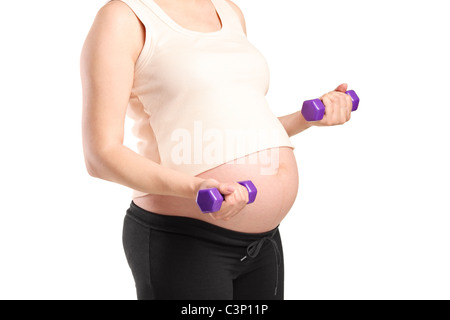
(238, 12)
(118, 12)
(236, 9)
(116, 29)
(120, 20)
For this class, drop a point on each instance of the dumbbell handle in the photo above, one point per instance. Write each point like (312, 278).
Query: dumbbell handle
(313, 110)
(210, 200)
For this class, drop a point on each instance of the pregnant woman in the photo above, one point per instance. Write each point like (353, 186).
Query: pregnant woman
(195, 87)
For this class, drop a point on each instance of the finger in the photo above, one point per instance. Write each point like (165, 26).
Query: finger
(246, 195)
(335, 99)
(340, 108)
(234, 203)
(226, 188)
(328, 103)
(224, 209)
(349, 106)
(212, 215)
(243, 194)
(343, 108)
(342, 88)
(221, 214)
(228, 208)
(229, 215)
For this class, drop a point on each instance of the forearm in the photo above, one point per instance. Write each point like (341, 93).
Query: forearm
(122, 165)
(294, 123)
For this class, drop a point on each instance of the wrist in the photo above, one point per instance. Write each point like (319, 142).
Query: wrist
(195, 186)
(305, 124)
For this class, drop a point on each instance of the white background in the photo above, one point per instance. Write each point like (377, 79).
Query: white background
(371, 220)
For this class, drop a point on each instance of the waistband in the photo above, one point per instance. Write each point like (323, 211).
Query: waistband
(194, 227)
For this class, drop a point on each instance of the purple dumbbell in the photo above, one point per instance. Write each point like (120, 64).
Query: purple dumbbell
(210, 200)
(313, 110)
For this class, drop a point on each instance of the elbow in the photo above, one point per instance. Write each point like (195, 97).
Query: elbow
(92, 171)
(94, 156)
(92, 166)
(95, 163)
(99, 162)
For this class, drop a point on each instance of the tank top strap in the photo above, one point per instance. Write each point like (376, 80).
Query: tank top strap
(154, 26)
(227, 13)
(150, 14)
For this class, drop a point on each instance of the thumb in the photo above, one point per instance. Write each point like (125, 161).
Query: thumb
(342, 88)
(226, 188)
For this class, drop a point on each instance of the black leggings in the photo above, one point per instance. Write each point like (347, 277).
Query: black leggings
(181, 258)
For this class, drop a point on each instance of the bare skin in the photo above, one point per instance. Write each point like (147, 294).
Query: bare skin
(108, 60)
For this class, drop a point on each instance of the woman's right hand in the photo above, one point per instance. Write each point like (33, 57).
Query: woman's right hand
(236, 198)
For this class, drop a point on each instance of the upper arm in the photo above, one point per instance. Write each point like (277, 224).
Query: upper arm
(108, 58)
(240, 14)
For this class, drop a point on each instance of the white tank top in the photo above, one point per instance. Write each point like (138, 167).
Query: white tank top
(198, 99)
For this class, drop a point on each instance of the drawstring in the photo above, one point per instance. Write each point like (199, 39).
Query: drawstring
(254, 248)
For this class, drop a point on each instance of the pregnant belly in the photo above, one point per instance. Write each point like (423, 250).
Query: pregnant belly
(274, 173)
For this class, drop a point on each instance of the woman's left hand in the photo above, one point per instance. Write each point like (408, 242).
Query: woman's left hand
(338, 107)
